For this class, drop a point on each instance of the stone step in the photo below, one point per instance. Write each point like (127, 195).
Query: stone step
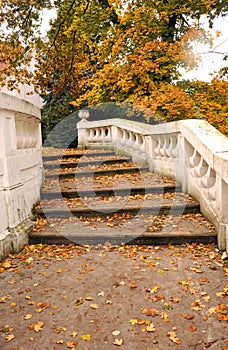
(97, 172)
(174, 238)
(82, 210)
(79, 154)
(120, 191)
(143, 229)
(84, 163)
(152, 207)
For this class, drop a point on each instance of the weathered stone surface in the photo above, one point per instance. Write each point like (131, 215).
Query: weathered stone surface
(20, 169)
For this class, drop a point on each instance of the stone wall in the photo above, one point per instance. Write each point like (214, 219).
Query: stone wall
(20, 170)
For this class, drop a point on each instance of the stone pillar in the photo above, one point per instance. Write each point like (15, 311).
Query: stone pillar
(82, 128)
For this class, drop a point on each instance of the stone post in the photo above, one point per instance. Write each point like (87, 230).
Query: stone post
(82, 128)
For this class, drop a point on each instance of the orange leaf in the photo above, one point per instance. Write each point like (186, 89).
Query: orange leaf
(187, 317)
(150, 312)
(192, 329)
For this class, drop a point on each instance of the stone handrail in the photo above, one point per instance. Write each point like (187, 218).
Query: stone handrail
(20, 169)
(191, 151)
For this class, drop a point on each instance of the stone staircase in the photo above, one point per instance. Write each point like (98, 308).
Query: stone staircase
(94, 196)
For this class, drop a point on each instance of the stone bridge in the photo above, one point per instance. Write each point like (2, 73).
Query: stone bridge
(191, 151)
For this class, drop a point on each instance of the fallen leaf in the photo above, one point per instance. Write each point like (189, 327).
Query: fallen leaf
(175, 300)
(12, 282)
(167, 307)
(27, 316)
(192, 328)
(207, 298)
(222, 317)
(151, 328)
(60, 329)
(9, 337)
(158, 297)
(195, 269)
(101, 294)
(115, 333)
(133, 321)
(197, 305)
(74, 334)
(86, 337)
(154, 289)
(118, 342)
(42, 306)
(150, 312)
(13, 304)
(164, 317)
(36, 326)
(94, 306)
(187, 317)
(122, 283)
(133, 285)
(79, 302)
(71, 344)
(193, 291)
(174, 338)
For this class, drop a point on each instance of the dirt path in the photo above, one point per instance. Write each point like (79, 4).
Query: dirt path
(104, 298)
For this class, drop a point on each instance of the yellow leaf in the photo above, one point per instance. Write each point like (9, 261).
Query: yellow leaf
(27, 316)
(94, 306)
(9, 337)
(151, 328)
(86, 337)
(38, 326)
(192, 291)
(74, 334)
(173, 337)
(207, 298)
(13, 304)
(118, 342)
(29, 260)
(12, 282)
(133, 285)
(155, 289)
(133, 321)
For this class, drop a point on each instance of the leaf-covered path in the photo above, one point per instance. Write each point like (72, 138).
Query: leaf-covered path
(109, 297)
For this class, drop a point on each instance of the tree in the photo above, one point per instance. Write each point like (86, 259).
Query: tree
(112, 51)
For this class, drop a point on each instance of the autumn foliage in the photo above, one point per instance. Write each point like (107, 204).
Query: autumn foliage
(115, 51)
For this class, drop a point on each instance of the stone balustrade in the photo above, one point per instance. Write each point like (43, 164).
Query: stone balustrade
(191, 151)
(20, 170)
